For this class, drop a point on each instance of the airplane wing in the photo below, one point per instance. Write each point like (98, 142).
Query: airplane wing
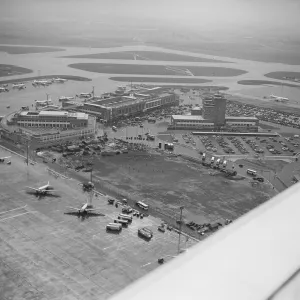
(29, 187)
(92, 209)
(5, 157)
(49, 191)
(73, 208)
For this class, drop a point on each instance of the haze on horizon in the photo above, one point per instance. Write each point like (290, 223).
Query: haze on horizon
(267, 15)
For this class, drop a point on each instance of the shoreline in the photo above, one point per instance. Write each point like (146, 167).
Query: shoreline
(68, 77)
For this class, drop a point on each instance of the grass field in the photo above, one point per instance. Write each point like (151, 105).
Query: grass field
(264, 82)
(46, 254)
(281, 74)
(146, 55)
(156, 70)
(166, 183)
(27, 50)
(159, 79)
(10, 70)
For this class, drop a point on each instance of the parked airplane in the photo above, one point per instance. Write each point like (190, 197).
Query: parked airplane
(279, 98)
(83, 210)
(43, 190)
(62, 98)
(84, 95)
(43, 102)
(41, 82)
(19, 86)
(59, 80)
(2, 159)
(3, 89)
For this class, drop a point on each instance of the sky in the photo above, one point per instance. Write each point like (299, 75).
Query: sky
(193, 14)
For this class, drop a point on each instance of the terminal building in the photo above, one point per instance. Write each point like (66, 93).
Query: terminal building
(47, 127)
(57, 119)
(213, 118)
(112, 108)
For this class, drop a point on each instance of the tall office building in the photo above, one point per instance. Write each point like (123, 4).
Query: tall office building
(214, 109)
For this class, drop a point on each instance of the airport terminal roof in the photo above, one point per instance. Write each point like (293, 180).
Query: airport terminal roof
(187, 117)
(241, 118)
(54, 113)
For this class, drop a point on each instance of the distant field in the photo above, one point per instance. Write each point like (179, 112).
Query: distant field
(263, 82)
(281, 74)
(157, 70)
(145, 55)
(69, 77)
(10, 70)
(158, 79)
(27, 50)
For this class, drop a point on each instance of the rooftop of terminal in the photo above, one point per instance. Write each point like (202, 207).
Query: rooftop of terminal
(77, 115)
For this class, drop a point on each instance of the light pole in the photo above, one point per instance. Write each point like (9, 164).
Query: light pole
(180, 226)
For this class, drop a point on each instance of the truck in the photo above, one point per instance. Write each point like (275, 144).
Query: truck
(212, 160)
(224, 164)
(203, 156)
(218, 161)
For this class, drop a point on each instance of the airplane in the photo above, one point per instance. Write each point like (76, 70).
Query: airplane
(41, 82)
(83, 210)
(62, 98)
(59, 80)
(43, 102)
(18, 86)
(279, 98)
(85, 95)
(2, 159)
(43, 190)
(3, 89)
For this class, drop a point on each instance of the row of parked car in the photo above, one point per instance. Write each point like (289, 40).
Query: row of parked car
(238, 144)
(207, 143)
(264, 114)
(205, 227)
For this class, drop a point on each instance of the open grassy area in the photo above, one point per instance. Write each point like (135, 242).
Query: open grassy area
(159, 79)
(156, 69)
(10, 70)
(69, 77)
(47, 254)
(264, 82)
(26, 50)
(165, 183)
(146, 55)
(281, 74)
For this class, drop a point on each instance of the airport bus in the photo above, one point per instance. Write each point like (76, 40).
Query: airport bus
(114, 226)
(122, 222)
(125, 217)
(251, 172)
(142, 205)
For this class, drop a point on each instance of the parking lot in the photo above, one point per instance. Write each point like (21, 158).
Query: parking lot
(263, 114)
(251, 146)
(47, 254)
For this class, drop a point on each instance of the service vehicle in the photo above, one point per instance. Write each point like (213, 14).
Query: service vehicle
(114, 227)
